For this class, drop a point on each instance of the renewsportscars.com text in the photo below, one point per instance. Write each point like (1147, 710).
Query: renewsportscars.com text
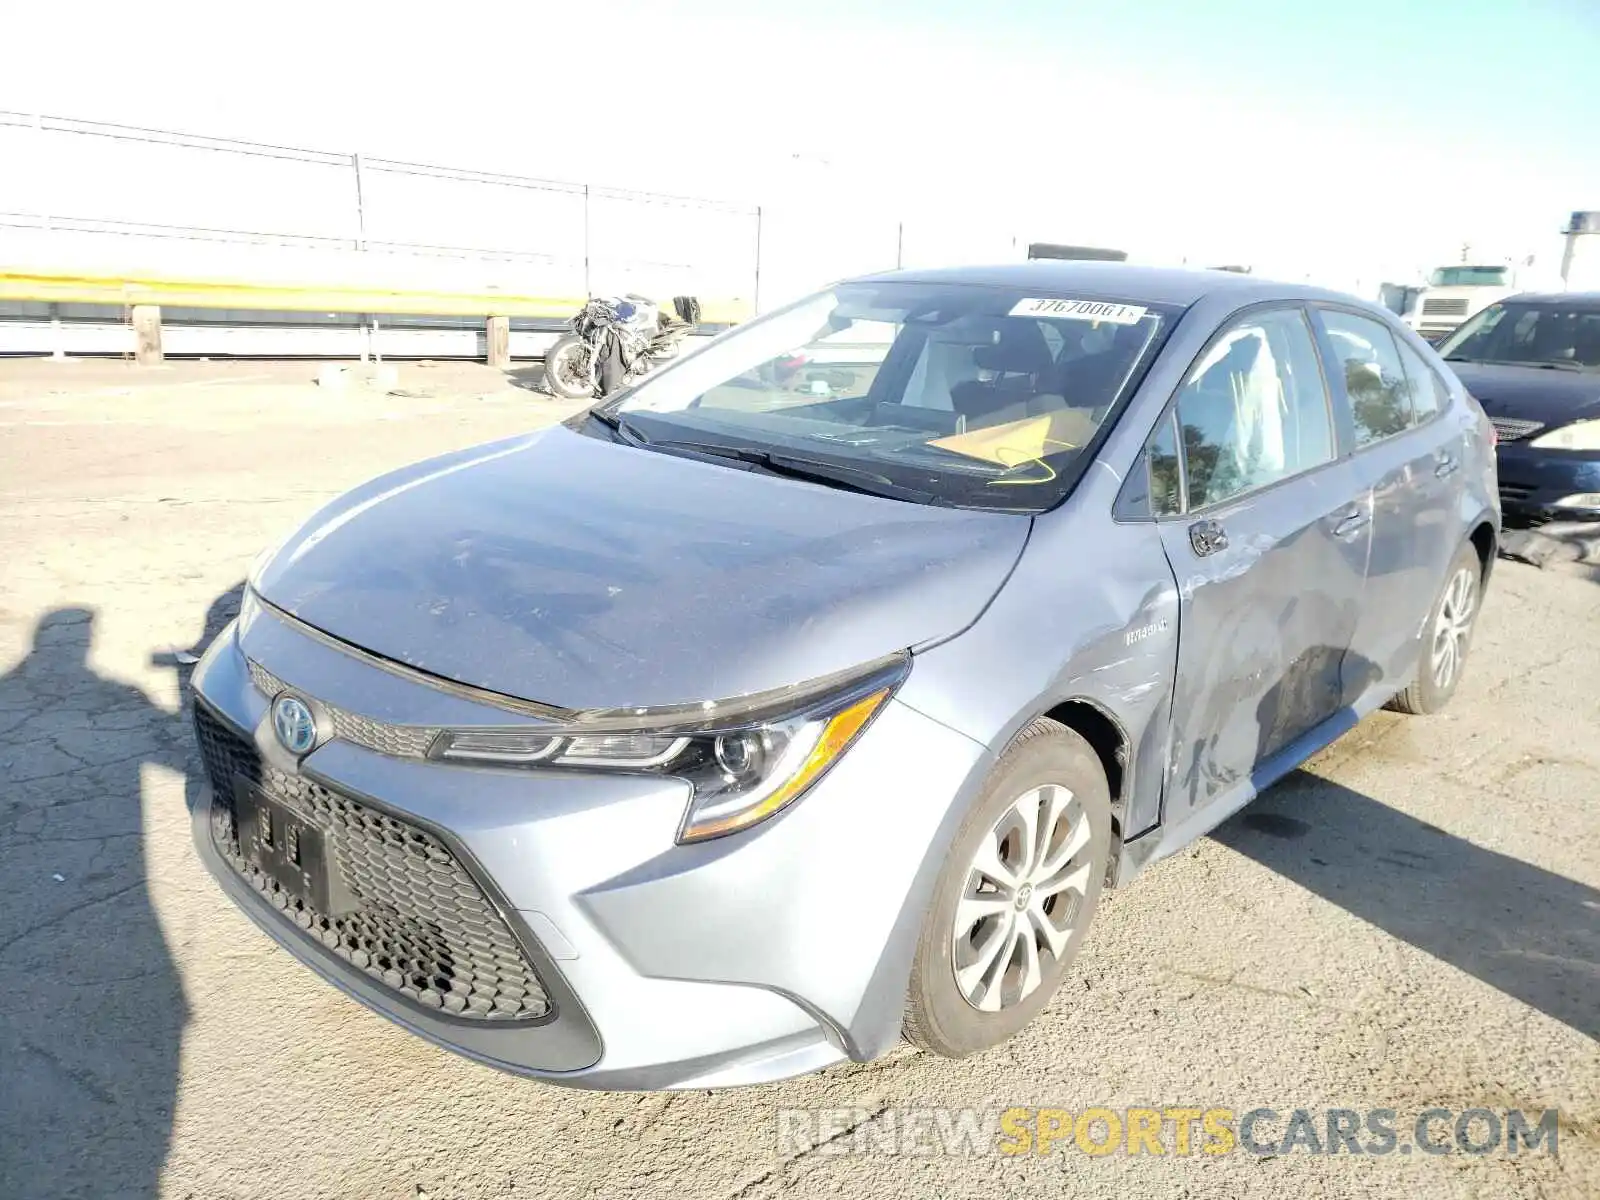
(1173, 1130)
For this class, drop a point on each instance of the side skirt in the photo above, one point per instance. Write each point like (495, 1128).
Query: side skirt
(1165, 840)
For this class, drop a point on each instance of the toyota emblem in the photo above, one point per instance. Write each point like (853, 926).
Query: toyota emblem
(294, 724)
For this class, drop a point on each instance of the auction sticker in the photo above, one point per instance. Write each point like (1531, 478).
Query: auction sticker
(1079, 310)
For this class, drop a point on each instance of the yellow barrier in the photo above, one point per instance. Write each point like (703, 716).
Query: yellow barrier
(197, 293)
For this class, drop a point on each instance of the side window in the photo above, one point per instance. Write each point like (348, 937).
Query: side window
(1366, 355)
(1428, 393)
(1255, 409)
(1161, 458)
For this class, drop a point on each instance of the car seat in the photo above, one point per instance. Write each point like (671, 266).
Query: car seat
(1090, 381)
(1020, 358)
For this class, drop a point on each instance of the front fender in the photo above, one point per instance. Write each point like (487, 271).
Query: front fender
(1094, 622)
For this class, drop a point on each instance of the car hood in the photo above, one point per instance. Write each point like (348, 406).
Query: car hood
(1531, 393)
(568, 570)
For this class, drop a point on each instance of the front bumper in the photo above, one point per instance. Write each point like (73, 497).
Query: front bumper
(753, 957)
(1533, 481)
(1433, 330)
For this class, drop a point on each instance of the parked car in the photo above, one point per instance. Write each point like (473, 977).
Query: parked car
(1533, 362)
(727, 731)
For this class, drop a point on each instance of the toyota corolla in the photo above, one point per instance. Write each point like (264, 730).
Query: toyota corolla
(754, 719)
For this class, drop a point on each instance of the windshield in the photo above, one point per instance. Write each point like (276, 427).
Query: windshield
(1469, 277)
(1535, 335)
(966, 395)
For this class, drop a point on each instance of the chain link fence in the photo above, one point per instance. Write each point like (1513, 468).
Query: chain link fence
(102, 197)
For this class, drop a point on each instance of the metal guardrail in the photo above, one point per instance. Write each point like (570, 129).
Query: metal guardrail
(309, 297)
(79, 315)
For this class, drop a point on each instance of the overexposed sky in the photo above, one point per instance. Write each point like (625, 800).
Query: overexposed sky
(1342, 141)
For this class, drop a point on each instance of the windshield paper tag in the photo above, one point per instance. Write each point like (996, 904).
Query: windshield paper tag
(1079, 310)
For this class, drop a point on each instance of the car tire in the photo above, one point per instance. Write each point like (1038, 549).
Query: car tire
(1451, 620)
(951, 1009)
(564, 373)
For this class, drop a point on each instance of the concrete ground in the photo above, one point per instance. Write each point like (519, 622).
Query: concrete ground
(1412, 921)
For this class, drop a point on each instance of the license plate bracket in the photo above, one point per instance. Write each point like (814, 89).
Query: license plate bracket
(284, 847)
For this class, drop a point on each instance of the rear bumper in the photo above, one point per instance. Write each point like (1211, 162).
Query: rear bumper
(741, 960)
(1533, 482)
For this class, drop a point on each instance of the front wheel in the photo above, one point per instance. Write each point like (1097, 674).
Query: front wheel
(568, 369)
(1448, 637)
(1016, 895)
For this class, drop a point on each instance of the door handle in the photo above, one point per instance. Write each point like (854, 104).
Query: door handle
(1446, 466)
(1207, 537)
(1351, 524)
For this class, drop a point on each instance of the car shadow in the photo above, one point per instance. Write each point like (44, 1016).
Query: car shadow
(93, 1021)
(1525, 931)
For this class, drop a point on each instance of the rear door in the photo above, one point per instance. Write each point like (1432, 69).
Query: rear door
(1411, 460)
(1266, 530)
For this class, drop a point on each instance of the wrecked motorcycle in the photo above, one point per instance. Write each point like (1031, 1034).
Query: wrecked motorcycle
(616, 340)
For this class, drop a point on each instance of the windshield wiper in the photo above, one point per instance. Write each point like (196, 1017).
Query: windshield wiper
(814, 470)
(1545, 364)
(626, 430)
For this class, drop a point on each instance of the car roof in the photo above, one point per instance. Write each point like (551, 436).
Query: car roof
(1117, 281)
(1584, 300)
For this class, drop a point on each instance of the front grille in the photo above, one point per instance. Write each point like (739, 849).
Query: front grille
(401, 741)
(1511, 430)
(422, 926)
(1444, 308)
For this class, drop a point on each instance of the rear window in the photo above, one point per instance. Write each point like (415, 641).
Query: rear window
(1367, 358)
(1428, 393)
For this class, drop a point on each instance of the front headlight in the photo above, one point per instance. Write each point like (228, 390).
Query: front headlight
(745, 760)
(1580, 435)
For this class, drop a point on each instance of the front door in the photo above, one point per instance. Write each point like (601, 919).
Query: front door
(1268, 544)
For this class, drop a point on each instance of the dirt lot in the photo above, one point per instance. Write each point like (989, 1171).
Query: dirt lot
(1413, 921)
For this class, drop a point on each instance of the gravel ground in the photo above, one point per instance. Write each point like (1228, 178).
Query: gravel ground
(1412, 921)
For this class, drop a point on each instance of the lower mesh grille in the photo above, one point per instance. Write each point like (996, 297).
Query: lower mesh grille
(421, 926)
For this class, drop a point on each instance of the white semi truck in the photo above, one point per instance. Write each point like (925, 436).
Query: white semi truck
(1455, 293)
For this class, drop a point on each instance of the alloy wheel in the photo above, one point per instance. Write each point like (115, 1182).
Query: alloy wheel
(1454, 626)
(1023, 895)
